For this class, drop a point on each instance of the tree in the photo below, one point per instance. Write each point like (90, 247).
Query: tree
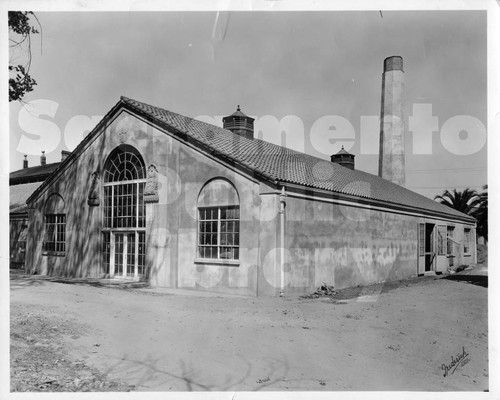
(465, 201)
(481, 214)
(20, 29)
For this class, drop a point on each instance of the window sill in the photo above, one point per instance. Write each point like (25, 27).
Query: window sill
(53, 253)
(214, 261)
(467, 255)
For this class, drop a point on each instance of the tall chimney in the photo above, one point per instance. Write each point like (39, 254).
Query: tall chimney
(43, 159)
(25, 161)
(392, 131)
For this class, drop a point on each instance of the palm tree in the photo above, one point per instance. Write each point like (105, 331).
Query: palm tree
(466, 201)
(481, 214)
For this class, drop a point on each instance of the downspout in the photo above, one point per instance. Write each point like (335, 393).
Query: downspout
(475, 244)
(282, 240)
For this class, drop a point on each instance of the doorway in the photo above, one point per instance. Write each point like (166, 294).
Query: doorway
(426, 248)
(124, 254)
(124, 214)
(430, 252)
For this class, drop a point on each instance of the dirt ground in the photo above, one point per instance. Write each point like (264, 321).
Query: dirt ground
(428, 334)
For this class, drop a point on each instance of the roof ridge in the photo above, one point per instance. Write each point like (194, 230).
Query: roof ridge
(246, 148)
(35, 166)
(227, 131)
(274, 162)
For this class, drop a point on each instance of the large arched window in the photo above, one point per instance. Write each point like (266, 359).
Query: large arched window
(218, 221)
(124, 219)
(124, 179)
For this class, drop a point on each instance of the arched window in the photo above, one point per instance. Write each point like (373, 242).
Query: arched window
(124, 179)
(218, 221)
(54, 239)
(124, 219)
(124, 164)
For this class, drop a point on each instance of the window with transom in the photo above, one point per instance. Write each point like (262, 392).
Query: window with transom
(124, 180)
(123, 237)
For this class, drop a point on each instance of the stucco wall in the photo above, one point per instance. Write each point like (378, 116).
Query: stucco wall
(193, 171)
(171, 227)
(346, 246)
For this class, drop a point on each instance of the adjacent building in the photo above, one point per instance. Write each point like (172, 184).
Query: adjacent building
(22, 184)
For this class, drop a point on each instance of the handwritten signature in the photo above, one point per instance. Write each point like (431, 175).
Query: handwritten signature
(458, 361)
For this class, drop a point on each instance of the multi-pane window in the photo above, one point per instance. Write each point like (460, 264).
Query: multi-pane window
(219, 232)
(22, 238)
(124, 181)
(124, 165)
(441, 232)
(124, 206)
(467, 236)
(449, 234)
(55, 233)
(124, 214)
(421, 239)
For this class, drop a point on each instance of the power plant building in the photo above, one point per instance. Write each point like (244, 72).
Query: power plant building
(151, 195)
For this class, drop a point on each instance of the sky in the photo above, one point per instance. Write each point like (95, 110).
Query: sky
(318, 72)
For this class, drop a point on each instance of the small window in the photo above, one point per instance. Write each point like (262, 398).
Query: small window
(467, 236)
(22, 238)
(55, 233)
(441, 240)
(219, 233)
(449, 235)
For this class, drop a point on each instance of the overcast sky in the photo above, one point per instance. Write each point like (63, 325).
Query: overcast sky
(302, 64)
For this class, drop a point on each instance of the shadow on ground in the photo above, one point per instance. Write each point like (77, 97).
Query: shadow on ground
(479, 280)
(192, 377)
(21, 279)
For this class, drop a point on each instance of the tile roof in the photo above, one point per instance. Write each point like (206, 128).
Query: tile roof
(281, 164)
(238, 113)
(19, 194)
(343, 151)
(33, 174)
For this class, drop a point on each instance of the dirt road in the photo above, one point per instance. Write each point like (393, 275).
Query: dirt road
(408, 338)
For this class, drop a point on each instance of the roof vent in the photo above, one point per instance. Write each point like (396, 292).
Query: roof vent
(25, 161)
(43, 159)
(343, 158)
(239, 124)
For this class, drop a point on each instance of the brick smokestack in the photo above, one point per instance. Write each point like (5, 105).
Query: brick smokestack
(392, 130)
